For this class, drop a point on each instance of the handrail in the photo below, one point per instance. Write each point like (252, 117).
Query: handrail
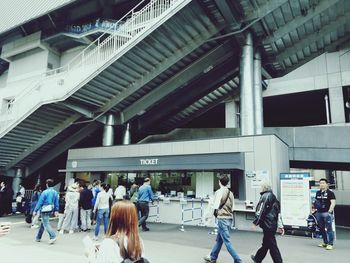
(105, 46)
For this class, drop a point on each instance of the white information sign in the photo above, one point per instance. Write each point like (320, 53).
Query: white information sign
(257, 177)
(295, 198)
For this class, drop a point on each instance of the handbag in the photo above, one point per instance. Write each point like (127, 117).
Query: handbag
(216, 211)
(47, 208)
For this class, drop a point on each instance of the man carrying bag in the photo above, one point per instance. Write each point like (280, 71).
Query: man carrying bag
(223, 211)
(47, 204)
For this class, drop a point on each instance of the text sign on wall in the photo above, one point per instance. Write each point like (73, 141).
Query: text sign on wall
(257, 178)
(295, 198)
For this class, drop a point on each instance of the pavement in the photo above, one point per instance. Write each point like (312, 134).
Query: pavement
(165, 243)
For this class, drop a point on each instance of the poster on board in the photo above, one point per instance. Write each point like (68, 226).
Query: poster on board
(295, 198)
(257, 177)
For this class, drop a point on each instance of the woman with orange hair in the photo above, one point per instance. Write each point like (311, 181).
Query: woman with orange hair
(122, 239)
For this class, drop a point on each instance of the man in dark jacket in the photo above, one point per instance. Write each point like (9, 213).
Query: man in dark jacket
(267, 216)
(85, 203)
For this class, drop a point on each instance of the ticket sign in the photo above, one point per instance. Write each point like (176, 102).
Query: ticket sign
(295, 198)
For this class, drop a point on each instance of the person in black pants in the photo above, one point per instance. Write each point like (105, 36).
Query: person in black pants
(268, 217)
(144, 198)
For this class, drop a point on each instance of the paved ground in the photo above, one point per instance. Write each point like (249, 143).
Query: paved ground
(166, 244)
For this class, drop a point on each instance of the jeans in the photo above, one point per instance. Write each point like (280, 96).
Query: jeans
(102, 214)
(269, 243)
(224, 237)
(325, 221)
(45, 224)
(144, 209)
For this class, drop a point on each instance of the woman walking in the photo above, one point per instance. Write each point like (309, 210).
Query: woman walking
(123, 240)
(101, 209)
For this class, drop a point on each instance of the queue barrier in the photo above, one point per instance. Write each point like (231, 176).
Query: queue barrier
(157, 213)
(192, 209)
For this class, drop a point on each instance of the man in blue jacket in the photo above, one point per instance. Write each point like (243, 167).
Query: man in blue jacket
(47, 204)
(145, 196)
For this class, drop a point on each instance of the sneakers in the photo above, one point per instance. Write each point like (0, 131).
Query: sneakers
(326, 246)
(51, 241)
(209, 260)
(71, 231)
(37, 240)
(95, 238)
(34, 226)
(61, 232)
(145, 229)
(253, 258)
(329, 247)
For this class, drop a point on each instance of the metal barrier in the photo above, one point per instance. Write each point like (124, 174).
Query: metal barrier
(192, 209)
(157, 214)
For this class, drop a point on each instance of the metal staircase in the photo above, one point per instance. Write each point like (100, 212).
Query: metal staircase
(58, 84)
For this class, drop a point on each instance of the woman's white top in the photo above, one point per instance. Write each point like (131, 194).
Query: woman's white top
(109, 252)
(102, 201)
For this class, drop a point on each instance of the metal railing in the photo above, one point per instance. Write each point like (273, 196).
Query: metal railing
(114, 40)
(157, 211)
(192, 209)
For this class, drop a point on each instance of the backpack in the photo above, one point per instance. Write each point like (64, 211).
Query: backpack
(141, 260)
(128, 260)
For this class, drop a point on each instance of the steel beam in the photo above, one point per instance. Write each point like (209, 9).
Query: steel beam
(211, 59)
(299, 21)
(63, 146)
(312, 38)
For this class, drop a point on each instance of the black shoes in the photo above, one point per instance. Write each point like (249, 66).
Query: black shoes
(145, 229)
(253, 258)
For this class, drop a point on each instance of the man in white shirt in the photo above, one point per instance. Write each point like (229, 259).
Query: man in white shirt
(223, 207)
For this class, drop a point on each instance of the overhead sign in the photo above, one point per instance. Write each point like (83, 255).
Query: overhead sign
(295, 198)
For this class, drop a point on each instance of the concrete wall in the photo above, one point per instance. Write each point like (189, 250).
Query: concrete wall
(343, 191)
(264, 153)
(3, 79)
(326, 71)
(318, 144)
(54, 59)
(68, 55)
(27, 65)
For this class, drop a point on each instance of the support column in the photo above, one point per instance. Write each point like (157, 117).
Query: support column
(108, 131)
(258, 100)
(17, 180)
(231, 119)
(336, 102)
(127, 135)
(246, 83)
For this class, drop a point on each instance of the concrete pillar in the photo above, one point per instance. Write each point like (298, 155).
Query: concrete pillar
(127, 135)
(17, 180)
(336, 102)
(108, 131)
(231, 118)
(258, 100)
(204, 184)
(246, 83)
